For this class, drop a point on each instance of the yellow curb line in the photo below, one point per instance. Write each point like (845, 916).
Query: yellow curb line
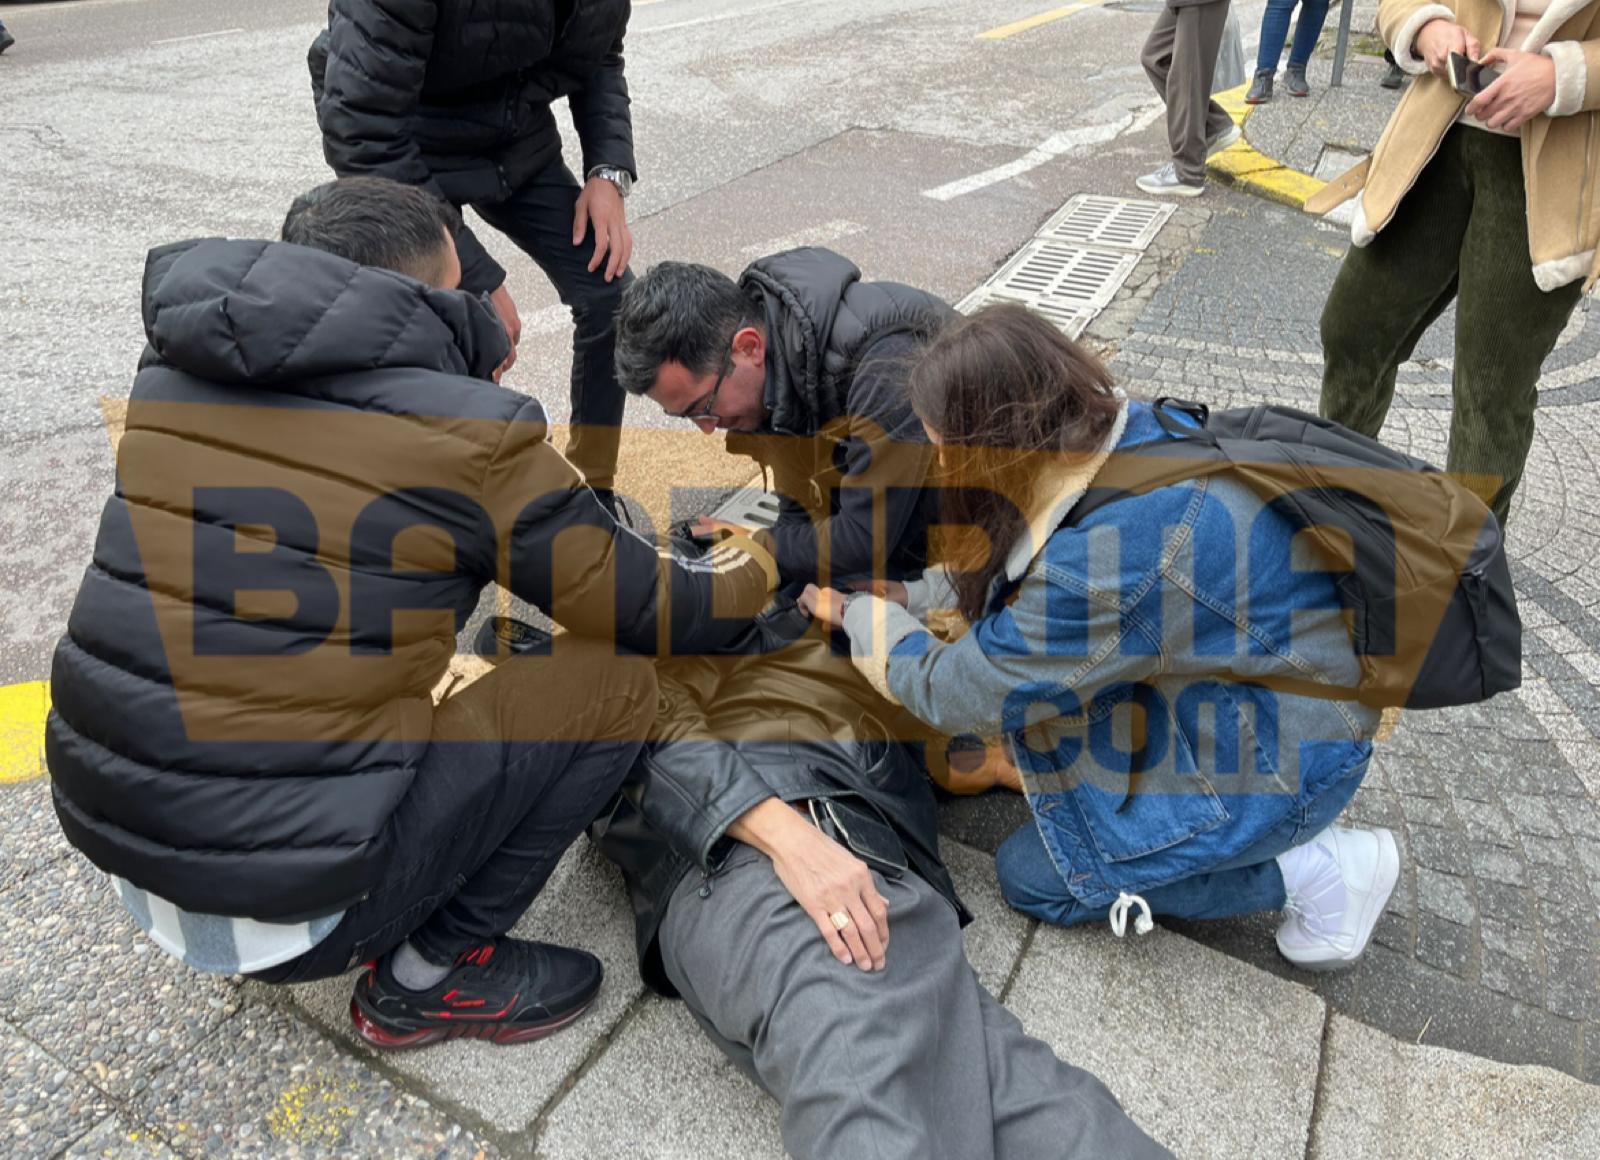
(1029, 23)
(1246, 168)
(22, 712)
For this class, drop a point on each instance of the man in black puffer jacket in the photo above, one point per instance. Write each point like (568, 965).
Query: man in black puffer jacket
(455, 96)
(316, 482)
(805, 365)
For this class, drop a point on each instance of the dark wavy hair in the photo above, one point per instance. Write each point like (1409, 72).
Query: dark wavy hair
(1008, 395)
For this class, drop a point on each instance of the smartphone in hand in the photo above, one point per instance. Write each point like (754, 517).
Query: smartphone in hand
(1469, 77)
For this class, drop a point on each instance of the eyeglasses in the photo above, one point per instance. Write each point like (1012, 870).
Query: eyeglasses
(702, 411)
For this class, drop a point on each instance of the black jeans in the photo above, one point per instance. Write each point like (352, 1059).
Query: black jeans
(520, 762)
(538, 217)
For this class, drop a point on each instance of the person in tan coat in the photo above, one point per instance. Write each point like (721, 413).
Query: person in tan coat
(1489, 202)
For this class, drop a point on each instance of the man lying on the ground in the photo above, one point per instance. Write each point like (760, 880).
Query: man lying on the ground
(773, 837)
(810, 360)
(316, 483)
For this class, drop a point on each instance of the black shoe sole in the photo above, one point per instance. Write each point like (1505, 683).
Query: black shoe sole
(373, 1033)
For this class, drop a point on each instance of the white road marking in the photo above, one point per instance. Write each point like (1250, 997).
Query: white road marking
(1144, 120)
(198, 36)
(1065, 142)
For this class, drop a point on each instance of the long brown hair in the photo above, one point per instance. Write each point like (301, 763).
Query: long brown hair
(1007, 394)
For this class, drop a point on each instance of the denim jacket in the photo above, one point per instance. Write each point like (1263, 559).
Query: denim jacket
(1121, 660)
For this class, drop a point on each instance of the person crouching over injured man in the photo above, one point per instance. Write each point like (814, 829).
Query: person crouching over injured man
(804, 365)
(1115, 657)
(316, 483)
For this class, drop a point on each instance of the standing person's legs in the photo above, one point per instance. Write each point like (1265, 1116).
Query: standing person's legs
(1274, 31)
(1156, 56)
(1390, 291)
(1307, 30)
(874, 1064)
(520, 762)
(539, 218)
(1505, 327)
(1193, 118)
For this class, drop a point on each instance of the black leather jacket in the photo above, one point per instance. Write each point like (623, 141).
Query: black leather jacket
(794, 723)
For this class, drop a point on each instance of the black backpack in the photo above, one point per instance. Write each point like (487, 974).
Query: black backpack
(1425, 580)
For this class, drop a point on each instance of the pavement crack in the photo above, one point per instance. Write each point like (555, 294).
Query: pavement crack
(45, 135)
(1316, 1086)
(1016, 966)
(530, 1138)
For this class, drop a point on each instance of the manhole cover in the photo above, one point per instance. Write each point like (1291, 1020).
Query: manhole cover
(1108, 221)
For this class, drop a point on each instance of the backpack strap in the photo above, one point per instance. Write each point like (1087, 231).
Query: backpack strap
(1199, 412)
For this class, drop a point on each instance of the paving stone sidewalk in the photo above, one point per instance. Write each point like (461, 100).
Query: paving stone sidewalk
(1492, 943)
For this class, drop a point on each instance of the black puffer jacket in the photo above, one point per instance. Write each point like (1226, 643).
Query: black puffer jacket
(838, 354)
(315, 484)
(455, 95)
(790, 719)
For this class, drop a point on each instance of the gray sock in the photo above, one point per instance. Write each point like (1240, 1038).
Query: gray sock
(413, 972)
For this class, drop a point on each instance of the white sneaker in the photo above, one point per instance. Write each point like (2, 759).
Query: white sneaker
(1337, 885)
(1223, 140)
(1164, 182)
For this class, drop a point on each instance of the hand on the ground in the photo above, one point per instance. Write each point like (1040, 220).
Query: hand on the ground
(600, 205)
(1439, 38)
(823, 604)
(883, 589)
(706, 528)
(1527, 88)
(824, 878)
(512, 321)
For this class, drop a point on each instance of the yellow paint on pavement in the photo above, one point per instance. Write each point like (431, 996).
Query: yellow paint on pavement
(316, 1110)
(1031, 22)
(22, 712)
(1244, 167)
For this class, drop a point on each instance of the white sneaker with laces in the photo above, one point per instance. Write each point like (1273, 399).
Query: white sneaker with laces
(1223, 140)
(1164, 183)
(1337, 885)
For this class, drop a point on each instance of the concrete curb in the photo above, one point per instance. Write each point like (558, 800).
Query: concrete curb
(1244, 167)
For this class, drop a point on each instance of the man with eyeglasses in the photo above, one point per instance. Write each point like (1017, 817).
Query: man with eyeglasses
(804, 365)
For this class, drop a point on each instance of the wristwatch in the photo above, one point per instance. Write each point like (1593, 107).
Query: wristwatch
(620, 178)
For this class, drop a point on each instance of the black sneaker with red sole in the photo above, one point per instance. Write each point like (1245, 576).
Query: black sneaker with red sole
(508, 991)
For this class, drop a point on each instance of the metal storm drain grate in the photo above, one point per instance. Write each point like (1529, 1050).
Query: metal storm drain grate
(750, 506)
(1071, 318)
(1091, 220)
(1075, 265)
(1060, 280)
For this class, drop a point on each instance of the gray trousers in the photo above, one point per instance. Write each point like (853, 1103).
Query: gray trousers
(916, 1062)
(1180, 57)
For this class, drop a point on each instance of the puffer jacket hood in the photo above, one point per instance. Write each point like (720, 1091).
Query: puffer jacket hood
(266, 313)
(315, 484)
(820, 317)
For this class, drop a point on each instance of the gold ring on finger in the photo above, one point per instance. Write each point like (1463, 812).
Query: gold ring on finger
(840, 919)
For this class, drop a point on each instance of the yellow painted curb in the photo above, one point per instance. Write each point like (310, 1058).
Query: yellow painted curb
(22, 712)
(1246, 168)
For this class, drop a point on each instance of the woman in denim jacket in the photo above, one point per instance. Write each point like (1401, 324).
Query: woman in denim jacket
(1128, 661)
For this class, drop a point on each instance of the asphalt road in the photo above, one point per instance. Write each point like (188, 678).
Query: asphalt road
(761, 124)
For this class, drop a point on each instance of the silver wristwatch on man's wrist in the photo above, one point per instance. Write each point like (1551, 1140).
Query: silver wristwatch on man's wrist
(620, 178)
